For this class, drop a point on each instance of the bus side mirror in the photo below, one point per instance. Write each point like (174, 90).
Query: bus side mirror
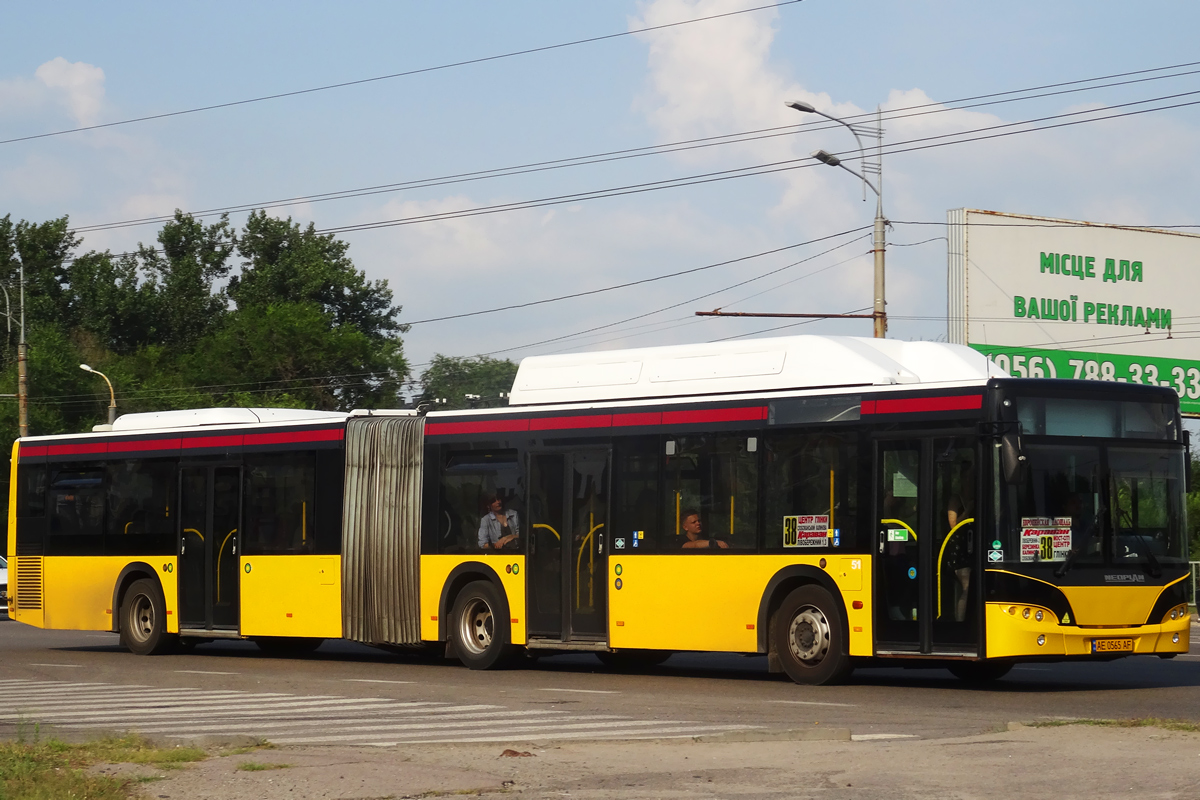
(1012, 459)
(1187, 466)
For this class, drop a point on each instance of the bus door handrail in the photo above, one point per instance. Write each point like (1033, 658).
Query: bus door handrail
(941, 553)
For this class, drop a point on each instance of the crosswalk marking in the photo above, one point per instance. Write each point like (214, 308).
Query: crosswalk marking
(314, 719)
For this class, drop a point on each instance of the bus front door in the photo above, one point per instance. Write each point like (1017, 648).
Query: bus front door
(568, 516)
(209, 510)
(926, 576)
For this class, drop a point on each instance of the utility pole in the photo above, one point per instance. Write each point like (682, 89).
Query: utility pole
(879, 240)
(22, 376)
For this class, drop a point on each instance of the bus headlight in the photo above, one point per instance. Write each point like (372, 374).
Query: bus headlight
(1025, 613)
(1176, 613)
(1041, 639)
(1038, 616)
(1175, 638)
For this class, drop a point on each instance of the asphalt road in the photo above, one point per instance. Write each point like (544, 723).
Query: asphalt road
(85, 682)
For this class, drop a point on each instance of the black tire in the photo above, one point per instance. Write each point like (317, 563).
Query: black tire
(809, 635)
(980, 671)
(632, 660)
(144, 619)
(287, 645)
(479, 628)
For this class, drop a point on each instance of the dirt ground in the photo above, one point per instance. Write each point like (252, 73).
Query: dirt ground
(1029, 763)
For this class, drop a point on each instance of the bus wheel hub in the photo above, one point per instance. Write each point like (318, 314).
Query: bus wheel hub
(808, 635)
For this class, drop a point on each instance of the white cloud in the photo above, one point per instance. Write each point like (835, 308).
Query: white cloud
(78, 85)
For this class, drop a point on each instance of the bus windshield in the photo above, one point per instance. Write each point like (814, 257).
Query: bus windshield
(1109, 505)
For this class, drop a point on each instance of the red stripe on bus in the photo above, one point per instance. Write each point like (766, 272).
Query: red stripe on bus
(866, 407)
(213, 441)
(31, 450)
(76, 449)
(637, 418)
(714, 415)
(290, 437)
(565, 423)
(482, 426)
(143, 445)
(911, 405)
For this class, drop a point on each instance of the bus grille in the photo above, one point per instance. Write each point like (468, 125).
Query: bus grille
(29, 582)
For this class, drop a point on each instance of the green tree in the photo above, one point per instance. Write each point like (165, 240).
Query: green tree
(452, 379)
(183, 301)
(287, 264)
(298, 326)
(291, 354)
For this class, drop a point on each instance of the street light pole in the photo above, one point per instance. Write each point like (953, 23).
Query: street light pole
(112, 404)
(879, 246)
(22, 376)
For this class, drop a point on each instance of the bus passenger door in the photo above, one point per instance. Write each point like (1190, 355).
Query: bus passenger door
(926, 587)
(568, 516)
(902, 527)
(209, 513)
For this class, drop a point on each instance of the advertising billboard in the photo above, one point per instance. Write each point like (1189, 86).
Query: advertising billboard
(1056, 298)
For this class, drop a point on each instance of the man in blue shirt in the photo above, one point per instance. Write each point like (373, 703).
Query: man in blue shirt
(498, 527)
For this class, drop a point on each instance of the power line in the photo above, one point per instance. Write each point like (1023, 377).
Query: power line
(907, 146)
(786, 165)
(638, 282)
(689, 301)
(639, 152)
(406, 73)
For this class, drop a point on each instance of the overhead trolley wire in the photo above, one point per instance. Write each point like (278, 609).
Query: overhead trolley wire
(404, 74)
(646, 150)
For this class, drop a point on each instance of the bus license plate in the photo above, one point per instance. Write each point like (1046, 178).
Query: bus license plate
(1112, 645)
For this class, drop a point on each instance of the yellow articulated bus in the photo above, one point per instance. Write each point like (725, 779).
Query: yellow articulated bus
(826, 501)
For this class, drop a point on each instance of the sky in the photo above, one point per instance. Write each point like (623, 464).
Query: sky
(76, 64)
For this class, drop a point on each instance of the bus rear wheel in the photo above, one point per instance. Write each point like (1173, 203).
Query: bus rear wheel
(979, 671)
(808, 636)
(144, 619)
(480, 630)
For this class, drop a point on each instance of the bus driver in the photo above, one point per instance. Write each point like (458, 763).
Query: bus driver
(690, 522)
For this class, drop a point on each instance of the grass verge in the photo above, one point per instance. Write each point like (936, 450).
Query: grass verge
(50, 769)
(1139, 722)
(258, 766)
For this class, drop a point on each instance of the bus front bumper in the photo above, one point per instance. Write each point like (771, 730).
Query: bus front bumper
(1014, 631)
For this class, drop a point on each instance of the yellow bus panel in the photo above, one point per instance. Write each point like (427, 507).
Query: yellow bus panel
(291, 596)
(1112, 605)
(78, 590)
(711, 602)
(436, 569)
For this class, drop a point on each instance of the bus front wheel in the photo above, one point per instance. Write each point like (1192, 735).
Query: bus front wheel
(481, 633)
(144, 619)
(809, 639)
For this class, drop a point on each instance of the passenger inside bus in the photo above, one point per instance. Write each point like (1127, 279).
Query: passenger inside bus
(694, 533)
(498, 528)
(959, 550)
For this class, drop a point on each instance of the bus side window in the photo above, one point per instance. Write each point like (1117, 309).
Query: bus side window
(469, 480)
(278, 506)
(636, 513)
(715, 479)
(76, 501)
(140, 498)
(805, 473)
(31, 490)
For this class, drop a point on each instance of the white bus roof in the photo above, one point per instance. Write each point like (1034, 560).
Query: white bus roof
(755, 365)
(194, 417)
